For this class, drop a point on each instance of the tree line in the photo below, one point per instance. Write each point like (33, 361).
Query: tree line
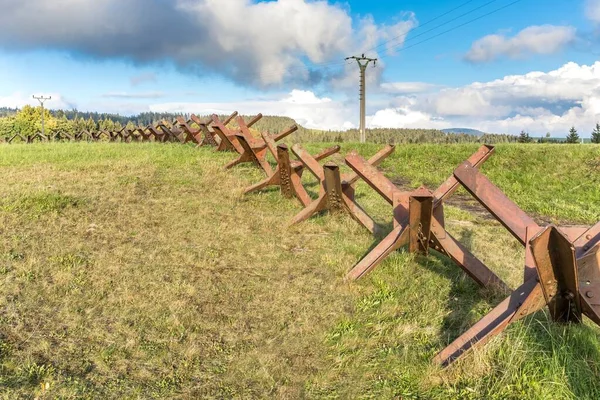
(27, 121)
(572, 137)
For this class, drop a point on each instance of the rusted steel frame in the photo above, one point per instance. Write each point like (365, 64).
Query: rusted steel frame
(168, 135)
(587, 251)
(103, 134)
(374, 161)
(372, 176)
(188, 132)
(159, 136)
(135, 136)
(396, 239)
(245, 131)
(424, 228)
(209, 136)
(228, 139)
(206, 136)
(515, 220)
(309, 162)
(127, 135)
(38, 136)
(287, 176)
(177, 132)
(143, 136)
(589, 283)
(285, 133)
(88, 135)
(587, 240)
(557, 271)
(117, 135)
(451, 184)
(288, 173)
(258, 148)
(444, 243)
(330, 197)
(525, 300)
(567, 279)
(267, 140)
(13, 137)
(420, 214)
(254, 120)
(253, 155)
(271, 140)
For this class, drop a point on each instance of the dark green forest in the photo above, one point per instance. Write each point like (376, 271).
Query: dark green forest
(27, 121)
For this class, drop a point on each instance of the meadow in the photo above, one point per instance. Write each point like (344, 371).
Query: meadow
(141, 270)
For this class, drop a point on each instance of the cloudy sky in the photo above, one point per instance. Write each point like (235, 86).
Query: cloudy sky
(493, 65)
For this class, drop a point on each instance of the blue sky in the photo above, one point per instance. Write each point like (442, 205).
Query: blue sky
(528, 66)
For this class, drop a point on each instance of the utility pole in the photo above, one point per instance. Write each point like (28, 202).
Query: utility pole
(363, 62)
(42, 99)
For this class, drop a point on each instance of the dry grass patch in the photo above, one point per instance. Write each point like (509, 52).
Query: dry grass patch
(140, 271)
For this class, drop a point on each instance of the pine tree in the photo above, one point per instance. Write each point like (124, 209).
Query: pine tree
(524, 137)
(573, 136)
(596, 134)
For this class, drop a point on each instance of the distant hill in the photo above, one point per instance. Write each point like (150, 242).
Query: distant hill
(467, 131)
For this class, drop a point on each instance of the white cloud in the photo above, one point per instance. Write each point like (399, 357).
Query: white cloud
(305, 107)
(592, 10)
(148, 77)
(260, 43)
(404, 117)
(137, 95)
(407, 87)
(538, 102)
(544, 39)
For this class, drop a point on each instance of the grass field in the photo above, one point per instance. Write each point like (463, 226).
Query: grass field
(141, 271)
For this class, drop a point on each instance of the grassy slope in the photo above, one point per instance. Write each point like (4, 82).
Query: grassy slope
(140, 270)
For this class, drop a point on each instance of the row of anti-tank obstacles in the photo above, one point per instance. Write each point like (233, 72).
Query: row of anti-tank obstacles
(561, 263)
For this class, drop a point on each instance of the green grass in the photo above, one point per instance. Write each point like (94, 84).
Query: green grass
(141, 271)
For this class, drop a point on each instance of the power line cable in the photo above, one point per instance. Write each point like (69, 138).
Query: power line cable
(420, 25)
(461, 25)
(331, 64)
(447, 22)
(336, 63)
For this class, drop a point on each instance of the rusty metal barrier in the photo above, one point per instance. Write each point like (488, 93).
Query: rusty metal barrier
(288, 173)
(255, 150)
(562, 268)
(336, 192)
(562, 264)
(210, 137)
(418, 221)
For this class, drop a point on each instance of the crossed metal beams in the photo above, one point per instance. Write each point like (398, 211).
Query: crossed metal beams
(288, 173)
(562, 269)
(336, 192)
(253, 149)
(419, 222)
(562, 264)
